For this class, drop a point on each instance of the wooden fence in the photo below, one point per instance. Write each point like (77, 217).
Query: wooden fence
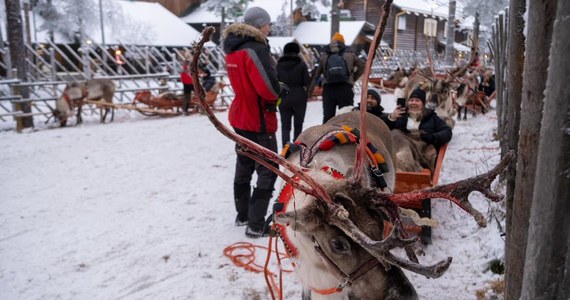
(133, 68)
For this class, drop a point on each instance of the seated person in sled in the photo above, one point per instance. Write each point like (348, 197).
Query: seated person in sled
(417, 134)
(373, 104)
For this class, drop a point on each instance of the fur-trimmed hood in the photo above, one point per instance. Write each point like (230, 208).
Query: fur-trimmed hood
(237, 34)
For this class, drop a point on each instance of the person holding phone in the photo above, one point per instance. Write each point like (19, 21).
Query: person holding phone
(417, 132)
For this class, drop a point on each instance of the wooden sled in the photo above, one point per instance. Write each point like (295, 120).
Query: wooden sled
(411, 181)
(147, 111)
(167, 103)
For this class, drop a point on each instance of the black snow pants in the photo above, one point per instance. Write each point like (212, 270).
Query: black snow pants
(253, 206)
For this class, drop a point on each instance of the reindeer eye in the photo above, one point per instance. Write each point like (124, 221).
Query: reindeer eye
(340, 245)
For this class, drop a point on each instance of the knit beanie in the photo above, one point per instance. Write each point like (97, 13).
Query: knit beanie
(291, 48)
(256, 17)
(420, 94)
(376, 94)
(338, 37)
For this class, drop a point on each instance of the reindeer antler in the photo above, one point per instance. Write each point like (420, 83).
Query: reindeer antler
(360, 160)
(458, 192)
(461, 71)
(247, 147)
(428, 54)
(381, 249)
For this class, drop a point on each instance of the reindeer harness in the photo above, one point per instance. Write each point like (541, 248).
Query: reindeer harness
(346, 135)
(377, 167)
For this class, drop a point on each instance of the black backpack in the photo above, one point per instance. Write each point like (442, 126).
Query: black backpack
(336, 70)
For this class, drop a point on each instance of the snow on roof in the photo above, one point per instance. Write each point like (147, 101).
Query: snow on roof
(200, 16)
(144, 23)
(423, 7)
(371, 38)
(467, 23)
(461, 47)
(167, 28)
(277, 43)
(319, 33)
(275, 8)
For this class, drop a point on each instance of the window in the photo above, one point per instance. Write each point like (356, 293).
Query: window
(402, 22)
(430, 27)
(445, 29)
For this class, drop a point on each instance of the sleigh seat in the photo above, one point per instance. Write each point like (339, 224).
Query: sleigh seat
(412, 181)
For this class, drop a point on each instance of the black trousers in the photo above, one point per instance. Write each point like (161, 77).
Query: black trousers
(295, 112)
(188, 90)
(334, 95)
(253, 206)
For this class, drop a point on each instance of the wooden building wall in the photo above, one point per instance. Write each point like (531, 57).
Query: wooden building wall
(410, 39)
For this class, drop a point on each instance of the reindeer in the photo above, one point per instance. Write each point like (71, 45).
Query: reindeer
(469, 96)
(336, 213)
(439, 88)
(74, 95)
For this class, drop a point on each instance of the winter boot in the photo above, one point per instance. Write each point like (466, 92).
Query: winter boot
(242, 195)
(257, 210)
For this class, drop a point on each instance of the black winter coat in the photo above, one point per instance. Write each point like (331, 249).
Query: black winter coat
(293, 71)
(434, 130)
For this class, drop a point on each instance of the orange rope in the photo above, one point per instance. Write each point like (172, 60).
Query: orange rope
(242, 254)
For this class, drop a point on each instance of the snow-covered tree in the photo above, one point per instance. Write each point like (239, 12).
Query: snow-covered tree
(78, 19)
(487, 9)
(228, 9)
(282, 26)
(309, 7)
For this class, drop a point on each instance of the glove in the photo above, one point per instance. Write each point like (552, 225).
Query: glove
(284, 89)
(279, 100)
(428, 138)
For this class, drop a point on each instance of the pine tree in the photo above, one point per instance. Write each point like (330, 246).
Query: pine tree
(487, 9)
(231, 9)
(74, 19)
(308, 7)
(282, 26)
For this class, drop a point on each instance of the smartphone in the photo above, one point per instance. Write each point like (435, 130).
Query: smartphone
(401, 102)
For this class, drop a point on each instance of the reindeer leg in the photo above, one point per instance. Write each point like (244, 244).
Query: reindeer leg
(79, 110)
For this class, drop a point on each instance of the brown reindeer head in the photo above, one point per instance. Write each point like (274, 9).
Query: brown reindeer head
(331, 249)
(72, 94)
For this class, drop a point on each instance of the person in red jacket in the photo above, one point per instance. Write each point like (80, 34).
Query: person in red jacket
(253, 112)
(187, 82)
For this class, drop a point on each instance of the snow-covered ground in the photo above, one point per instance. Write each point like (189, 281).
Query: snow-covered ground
(142, 209)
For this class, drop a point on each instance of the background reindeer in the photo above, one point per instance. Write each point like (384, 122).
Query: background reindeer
(469, 96)
(75, 93)
(334, 211)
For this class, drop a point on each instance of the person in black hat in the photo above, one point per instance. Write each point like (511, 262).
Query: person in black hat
(293, 71)
(208, 81)
(373, 104)
(414, 129)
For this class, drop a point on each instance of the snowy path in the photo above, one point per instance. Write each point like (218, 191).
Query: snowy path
(142, 209)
